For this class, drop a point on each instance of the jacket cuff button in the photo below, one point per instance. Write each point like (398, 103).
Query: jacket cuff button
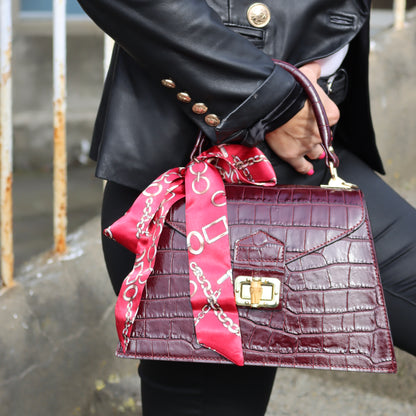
(212, 120)
(199, 108)
(184, 97)
(168, 83)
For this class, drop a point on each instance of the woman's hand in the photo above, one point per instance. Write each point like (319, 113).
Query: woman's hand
(299, 137)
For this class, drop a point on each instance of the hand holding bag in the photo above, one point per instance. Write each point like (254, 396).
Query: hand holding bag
(251, 272)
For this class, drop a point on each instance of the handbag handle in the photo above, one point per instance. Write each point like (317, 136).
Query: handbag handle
(331, 159)
(318, 110)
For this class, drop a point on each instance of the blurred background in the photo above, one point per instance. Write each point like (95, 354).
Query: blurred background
(57, 333)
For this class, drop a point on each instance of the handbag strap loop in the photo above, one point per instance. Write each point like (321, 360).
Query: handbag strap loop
(318, 109)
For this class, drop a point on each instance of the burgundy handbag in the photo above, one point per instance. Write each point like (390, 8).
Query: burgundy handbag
(303, 288)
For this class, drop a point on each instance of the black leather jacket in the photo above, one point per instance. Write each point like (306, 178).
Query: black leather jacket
(183, 65)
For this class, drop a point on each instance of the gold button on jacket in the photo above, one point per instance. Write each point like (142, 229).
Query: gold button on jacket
(199, 108)
(212, 120)
(168, 83)
(258, 15)
(184, 97)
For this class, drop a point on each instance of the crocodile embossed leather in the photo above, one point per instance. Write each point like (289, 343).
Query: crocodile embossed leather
(332, 314)
(301, 261)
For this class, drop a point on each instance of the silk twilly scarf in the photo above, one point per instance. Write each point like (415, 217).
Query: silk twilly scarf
(201, 183)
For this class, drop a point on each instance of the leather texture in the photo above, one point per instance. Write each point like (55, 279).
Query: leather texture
(211, 52)
(318, 242)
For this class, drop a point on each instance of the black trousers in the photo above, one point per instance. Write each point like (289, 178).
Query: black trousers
(205, 389)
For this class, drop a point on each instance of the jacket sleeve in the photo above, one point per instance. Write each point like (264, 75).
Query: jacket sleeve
(185, 42)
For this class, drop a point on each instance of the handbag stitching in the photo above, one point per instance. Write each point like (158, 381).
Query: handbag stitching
(377, 272)
(177, 226)
(219, 361)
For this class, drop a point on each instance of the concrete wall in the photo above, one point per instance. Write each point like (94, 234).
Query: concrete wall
(393, 100)
(33, 97)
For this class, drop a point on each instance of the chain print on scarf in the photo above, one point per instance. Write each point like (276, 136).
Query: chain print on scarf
(201, 182)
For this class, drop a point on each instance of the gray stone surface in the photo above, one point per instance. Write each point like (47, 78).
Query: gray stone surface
(57, 341)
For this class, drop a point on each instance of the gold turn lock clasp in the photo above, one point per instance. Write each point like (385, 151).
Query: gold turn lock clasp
(257, 292)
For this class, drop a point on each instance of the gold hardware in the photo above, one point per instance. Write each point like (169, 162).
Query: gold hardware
(336, 181)
(258, 15)
(257, 292)
(199, 108)
(212, 120)
(184, 97)
(168, 83)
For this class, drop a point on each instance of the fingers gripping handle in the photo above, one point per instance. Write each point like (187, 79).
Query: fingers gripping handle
(318, 109)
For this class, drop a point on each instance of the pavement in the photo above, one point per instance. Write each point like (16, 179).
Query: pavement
(57, 331)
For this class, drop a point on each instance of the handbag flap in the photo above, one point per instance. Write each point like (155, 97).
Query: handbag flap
(305, 218)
